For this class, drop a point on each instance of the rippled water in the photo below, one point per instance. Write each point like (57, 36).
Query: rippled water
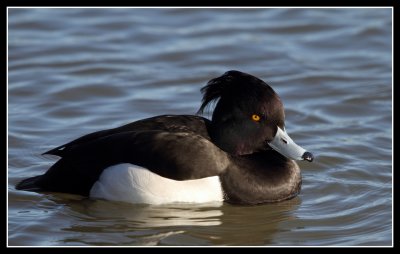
(75, 71)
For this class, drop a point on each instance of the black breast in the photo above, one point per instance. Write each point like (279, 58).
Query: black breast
(260, 178)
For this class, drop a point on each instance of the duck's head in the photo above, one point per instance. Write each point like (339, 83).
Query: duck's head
(249, 116)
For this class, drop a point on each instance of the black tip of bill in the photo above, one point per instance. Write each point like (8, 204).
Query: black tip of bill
(307, 156)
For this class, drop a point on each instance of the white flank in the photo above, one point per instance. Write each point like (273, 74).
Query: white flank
(134, 184)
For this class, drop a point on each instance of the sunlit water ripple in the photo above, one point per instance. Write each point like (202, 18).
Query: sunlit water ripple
(75, 71)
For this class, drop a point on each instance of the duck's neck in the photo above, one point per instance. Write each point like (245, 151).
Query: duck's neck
(261, 178)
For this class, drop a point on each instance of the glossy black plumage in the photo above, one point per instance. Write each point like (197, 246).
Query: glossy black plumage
(139, 143)
(183, 147)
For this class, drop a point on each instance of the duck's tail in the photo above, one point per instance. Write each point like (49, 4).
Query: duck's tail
(29, 184)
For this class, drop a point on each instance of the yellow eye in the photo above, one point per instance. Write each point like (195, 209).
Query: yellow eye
(255, 117)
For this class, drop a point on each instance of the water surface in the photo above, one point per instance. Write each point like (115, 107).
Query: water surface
(74, 71)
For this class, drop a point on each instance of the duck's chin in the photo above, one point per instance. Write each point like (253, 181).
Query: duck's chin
(242, 150)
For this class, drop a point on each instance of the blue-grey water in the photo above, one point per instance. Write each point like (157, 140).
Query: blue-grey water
(73, 71)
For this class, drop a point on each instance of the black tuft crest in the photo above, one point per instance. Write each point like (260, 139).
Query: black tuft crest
(227, 83)
(213, 91)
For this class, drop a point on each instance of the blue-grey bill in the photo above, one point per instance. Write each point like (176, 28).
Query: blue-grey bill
(284, 145)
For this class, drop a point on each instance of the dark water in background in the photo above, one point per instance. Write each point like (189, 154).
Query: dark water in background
(75, 71)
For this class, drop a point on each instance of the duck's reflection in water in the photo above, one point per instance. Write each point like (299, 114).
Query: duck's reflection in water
(195, 224)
